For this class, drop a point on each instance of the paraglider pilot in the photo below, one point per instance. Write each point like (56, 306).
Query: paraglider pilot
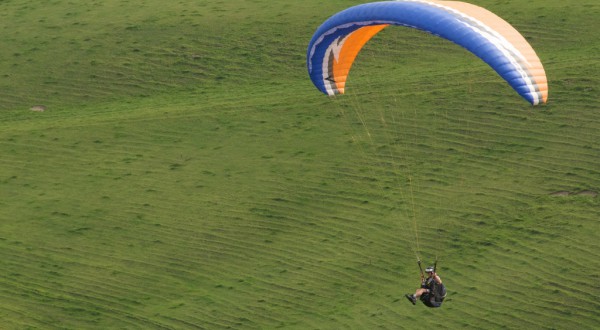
(432, 292)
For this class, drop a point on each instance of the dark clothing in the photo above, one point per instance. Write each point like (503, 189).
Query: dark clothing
(436, 294)
(429, 301)
(428, 283)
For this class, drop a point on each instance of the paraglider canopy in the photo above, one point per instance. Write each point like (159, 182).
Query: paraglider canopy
(336, 43)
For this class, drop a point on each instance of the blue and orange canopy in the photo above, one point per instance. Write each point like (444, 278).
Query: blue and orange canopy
(337, 42)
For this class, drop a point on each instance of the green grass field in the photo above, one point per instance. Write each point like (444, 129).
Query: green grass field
(187, 175)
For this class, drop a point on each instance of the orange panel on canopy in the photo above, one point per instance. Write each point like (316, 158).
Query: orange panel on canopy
(350, 48)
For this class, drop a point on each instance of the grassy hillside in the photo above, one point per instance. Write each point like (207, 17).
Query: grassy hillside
(186, 174)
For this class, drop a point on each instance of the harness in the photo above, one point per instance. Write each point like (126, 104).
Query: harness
(437, 292)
